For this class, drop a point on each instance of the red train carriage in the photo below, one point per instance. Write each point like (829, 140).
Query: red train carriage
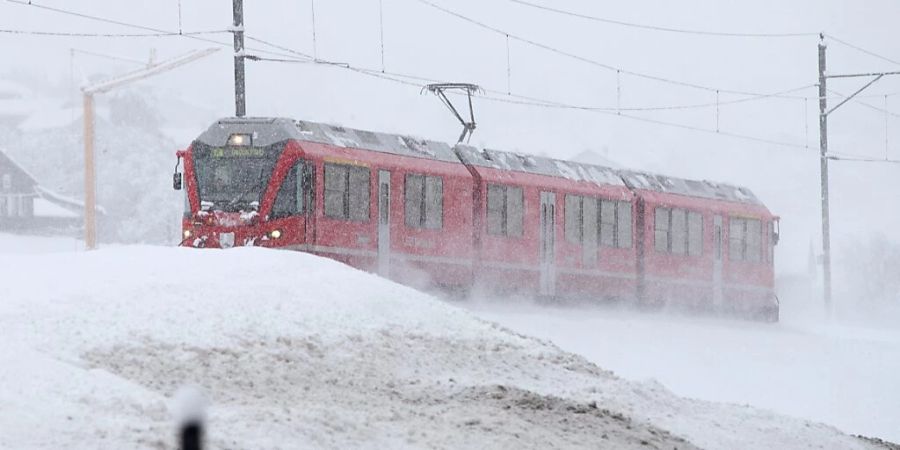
(427, 214)
(704, 245)
(544, 226)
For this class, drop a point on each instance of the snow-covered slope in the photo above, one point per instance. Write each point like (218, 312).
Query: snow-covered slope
(296, 351)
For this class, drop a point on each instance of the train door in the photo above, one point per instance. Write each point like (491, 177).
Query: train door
(384, 222)
(307, 189)
(717, 260)
(548, 244)
(589, 232)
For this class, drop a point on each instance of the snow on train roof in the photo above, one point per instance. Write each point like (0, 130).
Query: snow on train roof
(691, 188)
(268, 131)
(539, 165)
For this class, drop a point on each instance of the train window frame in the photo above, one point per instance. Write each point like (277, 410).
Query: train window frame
(680, 242)
(606, 223)
(624, 228)
(508, 209)
(664, 231)
(429, 208)
(301, 180)
(741, 246)
(574, 219)
(695, 233)
(355, 197)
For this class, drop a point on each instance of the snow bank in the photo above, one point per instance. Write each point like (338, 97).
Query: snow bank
(296, 351)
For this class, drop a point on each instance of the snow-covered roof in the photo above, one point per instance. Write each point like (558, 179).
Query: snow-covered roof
(65, 202)
(267, 131)
(12, 163)
(539, 165)
(690, 188)
(46, 208)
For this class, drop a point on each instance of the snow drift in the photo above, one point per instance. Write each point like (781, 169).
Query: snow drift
(296, 351)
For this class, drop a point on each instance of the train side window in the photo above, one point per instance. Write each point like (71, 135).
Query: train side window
(754, 240)
(661, 229)
(424, 201)
(358, 189)
(679, 231)
(288, 201)
(515, 211)
(607, 223)
(623, 225)
(496, 209)
(295, 192)
(574, 218)
(347, 192)
(505, 210)
(414, 192)
(695, 234)
(434, 203)
(736, 239)
(335, 187)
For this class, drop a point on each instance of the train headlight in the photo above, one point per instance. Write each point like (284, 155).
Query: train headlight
(240, 140)
(275, 234)
(187, 233)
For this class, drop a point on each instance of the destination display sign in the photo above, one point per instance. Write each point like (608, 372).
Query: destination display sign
(237, 152)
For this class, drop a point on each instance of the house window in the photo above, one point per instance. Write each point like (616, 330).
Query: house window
(347, 192)
(424, 201)
(505, 210)
(6, 182)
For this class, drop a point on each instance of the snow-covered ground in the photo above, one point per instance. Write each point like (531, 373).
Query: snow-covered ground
(843, 375)
(296, 351)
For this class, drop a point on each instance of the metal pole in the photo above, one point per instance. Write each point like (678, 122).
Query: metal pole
(90, 185)
(823, 163)
(240, 105)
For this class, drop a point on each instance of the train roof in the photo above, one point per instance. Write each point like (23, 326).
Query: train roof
(272, 130)
(539, 165)
(268, 131)
(686, 187)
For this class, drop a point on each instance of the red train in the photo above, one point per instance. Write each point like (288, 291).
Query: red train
(460, 218)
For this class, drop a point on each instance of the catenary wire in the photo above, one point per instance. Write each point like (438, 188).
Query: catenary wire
(108, 35)
(860, 49)
(131, 25)
(585, 59)
(660, 28)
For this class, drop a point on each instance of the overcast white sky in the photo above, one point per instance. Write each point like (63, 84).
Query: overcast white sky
(422, 41)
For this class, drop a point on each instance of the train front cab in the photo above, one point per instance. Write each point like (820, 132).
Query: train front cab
(707, 255)
(233, 194)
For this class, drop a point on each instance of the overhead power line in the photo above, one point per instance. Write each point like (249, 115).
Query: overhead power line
(588, 60)
(660, 28)
(503, 97)
(860, 49)
(109, 35)
(130, 25)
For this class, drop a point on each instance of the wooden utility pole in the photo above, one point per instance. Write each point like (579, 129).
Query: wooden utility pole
(90, 186)
(90, 183)
(240, 99)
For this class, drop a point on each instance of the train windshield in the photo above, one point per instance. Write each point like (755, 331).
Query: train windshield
(233, 179)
